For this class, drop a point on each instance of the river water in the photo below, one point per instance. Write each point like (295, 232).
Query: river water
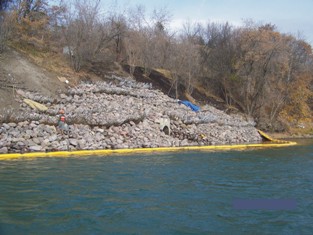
(174, 193)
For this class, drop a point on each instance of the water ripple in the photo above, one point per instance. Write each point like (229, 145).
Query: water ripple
(185, 193)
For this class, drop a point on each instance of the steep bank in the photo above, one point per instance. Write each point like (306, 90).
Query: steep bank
(120, 114)
(17, 71)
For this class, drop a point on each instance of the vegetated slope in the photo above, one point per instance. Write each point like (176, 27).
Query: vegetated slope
(163, 83)
(18, 71)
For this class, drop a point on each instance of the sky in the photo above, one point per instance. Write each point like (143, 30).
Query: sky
(289, 16)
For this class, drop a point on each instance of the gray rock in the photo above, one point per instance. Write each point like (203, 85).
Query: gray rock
(63, 96)
(6, 126)
(21, 142)
(53, 138)
(45, 142)
(12, 124)
(4, 150)
(124, 116)
(73, 142)
(112, 139)
(99, 130)
(81, 144)
(15, 133)
(35, 148)
(23, 124)
(37, 140)
(33, 125)
(184, 142)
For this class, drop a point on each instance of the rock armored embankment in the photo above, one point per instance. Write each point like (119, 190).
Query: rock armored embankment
(119, 114)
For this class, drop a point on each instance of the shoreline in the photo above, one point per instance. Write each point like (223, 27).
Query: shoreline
(105, 152)
(289, 136)
(119, 114)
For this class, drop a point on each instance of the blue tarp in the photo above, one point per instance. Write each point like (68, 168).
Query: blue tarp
(190, 105)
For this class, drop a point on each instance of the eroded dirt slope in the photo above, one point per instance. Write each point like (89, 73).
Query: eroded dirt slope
(17, 71)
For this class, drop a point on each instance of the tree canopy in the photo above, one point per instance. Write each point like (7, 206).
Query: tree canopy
(255, 68)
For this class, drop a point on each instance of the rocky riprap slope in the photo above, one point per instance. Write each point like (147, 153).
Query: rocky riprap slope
(119, 114)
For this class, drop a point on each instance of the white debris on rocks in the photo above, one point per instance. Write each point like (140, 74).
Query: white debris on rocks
(116, 115)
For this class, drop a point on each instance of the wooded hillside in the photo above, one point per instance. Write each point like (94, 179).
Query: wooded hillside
(253, 68)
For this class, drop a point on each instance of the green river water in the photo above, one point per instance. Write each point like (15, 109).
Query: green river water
(174, 193)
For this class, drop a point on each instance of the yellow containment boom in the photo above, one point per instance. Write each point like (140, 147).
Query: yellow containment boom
(267, 137)
(105, 152)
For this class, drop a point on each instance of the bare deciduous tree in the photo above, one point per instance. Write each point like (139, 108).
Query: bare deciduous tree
(6, 27)
(149, 37)
(218, 58)
(257, 68)
(86, 34)
(254, 67)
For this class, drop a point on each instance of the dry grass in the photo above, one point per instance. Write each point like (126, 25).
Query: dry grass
(10, 115)
(165, 73)
(53, 62)
(196, 85)
(207, 93)
(190, 98)
(49, 60)
(7, 116)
